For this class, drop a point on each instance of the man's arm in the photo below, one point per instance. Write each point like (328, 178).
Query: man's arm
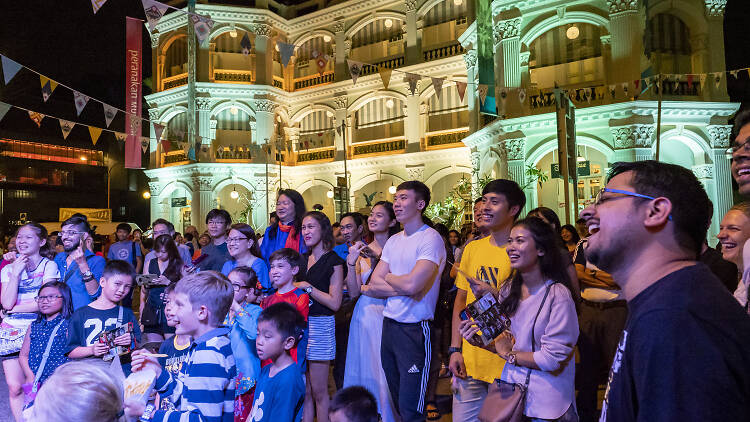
(378, 287)
(96, 267)
(138, 264)
(416, 281)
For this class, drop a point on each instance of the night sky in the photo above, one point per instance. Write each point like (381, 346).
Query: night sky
(67, 42)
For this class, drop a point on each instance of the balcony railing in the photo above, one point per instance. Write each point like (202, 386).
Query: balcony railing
(175, 81)
(389, 63)
(234, 154)
(278, 82)
(445, 139)
(449, 50)
(313, 80)
(380, 146)
(234, 76)
(317, 154)
(174, 158)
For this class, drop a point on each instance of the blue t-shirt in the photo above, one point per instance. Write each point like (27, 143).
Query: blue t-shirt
(39, 336)
(259, 266)
(123, 251)
(81, 296)
(342, 250)
(278, 398)
(176, 355)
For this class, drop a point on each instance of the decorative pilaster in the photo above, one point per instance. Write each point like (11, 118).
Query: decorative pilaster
(415, 172)
(204, 125)
(719, 141)
(292, 135)
(340, 103)
(515, 153)
(413, 36)
(411, 122)
(715, 8)
(626, 29)
(623, 6)
(508, 50)
(202, 199)
(263, 54)
(471, 98)
(155, 40)
(264, 110)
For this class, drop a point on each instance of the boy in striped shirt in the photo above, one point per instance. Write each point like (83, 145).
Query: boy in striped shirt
(204, 388)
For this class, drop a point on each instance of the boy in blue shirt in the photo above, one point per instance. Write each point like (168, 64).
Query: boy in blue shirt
(204, 388)
(280, 389)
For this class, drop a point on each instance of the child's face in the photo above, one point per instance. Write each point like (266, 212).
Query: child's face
(169, 309)
(116, 286)
(187, 320)
(281, 273)
(269, 343)
(241, 291)
(50, 301)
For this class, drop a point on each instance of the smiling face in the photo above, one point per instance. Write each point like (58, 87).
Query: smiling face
(71, 237)
(169, 309)
(186, 318)
(270, 344)
(238, 244)
(281, 273)
(478, 222)
(379, 220)
(741, 161)
(28, 241)
(121, 235)
(406, 206)
(522, 249)
(116, 286)
(285, 209)
(734, 230)
(311, 231)
(496, 212)
(240, 289)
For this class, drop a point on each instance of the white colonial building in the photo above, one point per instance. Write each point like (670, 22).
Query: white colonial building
(584, 46)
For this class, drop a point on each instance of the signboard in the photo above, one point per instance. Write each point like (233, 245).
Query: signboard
(133, 92)
(179, 202)
(584, 169)
(92, 214)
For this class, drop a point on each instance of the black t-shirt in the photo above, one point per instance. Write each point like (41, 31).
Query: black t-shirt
(319, 276)
(724, 270)
(684, 354)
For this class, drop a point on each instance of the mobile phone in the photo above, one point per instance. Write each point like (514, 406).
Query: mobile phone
(146, 279)
(367, 252)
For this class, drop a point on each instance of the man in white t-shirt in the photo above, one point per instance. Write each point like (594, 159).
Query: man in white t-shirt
(408, 276)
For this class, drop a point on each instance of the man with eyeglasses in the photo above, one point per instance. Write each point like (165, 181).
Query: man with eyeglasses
(160, 227)
(218, 222)
(683, 352)
(739, 151)
(79, 267)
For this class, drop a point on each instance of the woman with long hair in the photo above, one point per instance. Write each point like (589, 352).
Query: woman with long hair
(363, 365)
(243, 246)
(21, 281)
(734, 232)
(570, 237)
(167, 265)
(285, 232)
(325, 284)
(538, 346)
(551, 219)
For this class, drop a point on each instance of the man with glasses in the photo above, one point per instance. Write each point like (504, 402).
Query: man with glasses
(160, 227)
(79, 267)
(739, 151)
(683, 352)
(218, 222)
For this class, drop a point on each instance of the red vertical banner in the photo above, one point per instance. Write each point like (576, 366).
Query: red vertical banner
(133, 91)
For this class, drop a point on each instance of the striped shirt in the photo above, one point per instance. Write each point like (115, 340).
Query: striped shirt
(204, 388)
(28, 288)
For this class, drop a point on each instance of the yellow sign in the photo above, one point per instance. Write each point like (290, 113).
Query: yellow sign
(93, 214)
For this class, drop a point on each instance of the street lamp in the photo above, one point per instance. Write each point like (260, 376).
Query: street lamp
(146, 195)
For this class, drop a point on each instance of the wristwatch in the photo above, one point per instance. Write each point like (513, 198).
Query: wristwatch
(87, 276)
(452, 350)
(308, 290)
(511, 358)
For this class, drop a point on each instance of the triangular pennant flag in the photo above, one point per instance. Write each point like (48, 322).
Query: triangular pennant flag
(95, 132)
(461, 88)
(702, 77)
(10, 68)
(166, 146)
(48, 86)
(717, 79)
(321, 61)
(437, 83)
(202, 25)
(307, 145)
(385, 75)
(412, 79)
(482, 90)
(36, 117)
(625, 88)
(145, 141)
(690, 82)
(734, 73)
(109, 113)
(154, 11)
(97, 4)
(120, 136)
(503, 98)
(80, 101)
(522, 95)
(246, 44)
(355, 69)
(338, 130)
(66, 126)
(587, 94)
(3, 109)
(636, 84)
(612, 90)
(286, 51)
(158, 130)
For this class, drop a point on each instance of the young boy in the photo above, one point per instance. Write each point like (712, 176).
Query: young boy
(280, 389)
(284, 268)
(204, 387)
(176, 348)
(103, 314)
(353, 404)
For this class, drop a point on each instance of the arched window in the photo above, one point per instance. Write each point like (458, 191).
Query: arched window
(175, 61)
(667, 44)
(565, 44)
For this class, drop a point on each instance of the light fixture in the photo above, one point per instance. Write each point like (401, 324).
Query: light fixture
(327, 38)
(392, 189)
(572, 32)
(277, 46)
(83, 158)
(233, 32)
(233, 109)
(388, 23)
(234, 194)
(146, 195)
(389, 103)
(329, 194)
(458, 2)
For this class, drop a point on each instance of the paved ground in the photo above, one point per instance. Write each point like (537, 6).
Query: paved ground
(5, 415)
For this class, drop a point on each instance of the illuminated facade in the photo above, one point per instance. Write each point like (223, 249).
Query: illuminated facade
(583, 46)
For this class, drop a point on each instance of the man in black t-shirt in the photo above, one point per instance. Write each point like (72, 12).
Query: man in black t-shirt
(683, 354)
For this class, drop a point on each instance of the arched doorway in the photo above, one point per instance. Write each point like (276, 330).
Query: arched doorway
(238, 201)
(318, 194)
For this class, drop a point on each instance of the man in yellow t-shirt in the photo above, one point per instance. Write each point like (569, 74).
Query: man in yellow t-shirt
(484, 260)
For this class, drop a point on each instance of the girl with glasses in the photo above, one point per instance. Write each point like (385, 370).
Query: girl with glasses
(243, 247)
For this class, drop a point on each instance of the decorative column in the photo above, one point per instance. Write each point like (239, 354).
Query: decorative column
(705, 173)
(264, 51)
(633, 142)
(606, 41)
(157, 62)
(340, 103)
(340, 72)
(411, 124)
(626, 28)
(424, 121)
(508, 52)
(525, 75)
(155, 188)
(292, 135)
(719, 140)
(203, 200)
(254, 133)
(264, 110)
(153, 148)
(475, 160)
(413, 41)
(715, 17)
(204, 121)
(472, 101)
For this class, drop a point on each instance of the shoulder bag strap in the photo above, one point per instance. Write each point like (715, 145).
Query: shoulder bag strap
(69, 273)
(119, 316)
(44, 357)
(533, 342)
(132, 254)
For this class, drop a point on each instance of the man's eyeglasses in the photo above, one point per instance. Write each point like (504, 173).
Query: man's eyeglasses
(601, 199)
(216, 223)
(47, 298)
(736, 147)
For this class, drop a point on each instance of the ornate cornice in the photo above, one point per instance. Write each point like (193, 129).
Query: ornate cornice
(715, 8)
(203, 182)
(505, 29)
(155, 40)
(470, 57)
(411, 5)
(341, 102)
(338, 26)
(719, 135)
(203, 104)
(153, 113)
(704, 171)
(515, 149)
(632, 136)
(620, 6)
(262, 30)
(267, 106)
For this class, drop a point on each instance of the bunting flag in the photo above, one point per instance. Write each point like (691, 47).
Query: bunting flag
(503, 98)
(522, 95)
(95, 132)
(461, 88)
(80, 101)
(145, 141)
(154, 12)
(412, 79)
(202, 25)
(385, 75)
(158, 130)
(437, 83)
(625, 88)
(734, 73)
(322, 62)
(166, 146)
(690, 82)
(612, 90)
(120, 136)
(286, 50)
(355, 69)
(636, 84)
(246, 44)
(702, 78)
(338, 129)
(36, 117)
(4, 109)
(482, 89)
(717, 79)
(48, 87)
(10, 68)
(307, 145)
(109, 113)
(66, 126)
(97, 4)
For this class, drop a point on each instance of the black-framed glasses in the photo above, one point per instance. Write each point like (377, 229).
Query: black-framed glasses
(736, 147)
(237, 287)
(601, 199)
(47, 298)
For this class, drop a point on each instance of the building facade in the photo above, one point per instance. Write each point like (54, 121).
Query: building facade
(586, 47)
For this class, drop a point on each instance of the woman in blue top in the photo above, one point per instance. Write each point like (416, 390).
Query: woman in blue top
(243, 246)
(290, 208)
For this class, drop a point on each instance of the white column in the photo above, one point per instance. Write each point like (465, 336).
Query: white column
(411, 124)
(626, 28)
(413, 42)
(264, 110)
(204, 121)
(719, 138)
(341, 102)
(264, 49)
(340, 71)
(715, 17)
(633, 142)
(515, 152)
(203, 200)
(508, 52)
(705, 173)
(155, 160)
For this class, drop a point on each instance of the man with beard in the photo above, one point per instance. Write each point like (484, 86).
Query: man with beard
(683, 352)
(79, 267)
(740, 151)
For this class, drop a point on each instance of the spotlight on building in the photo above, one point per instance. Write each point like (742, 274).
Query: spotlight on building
(388, 23)
(327, 38)
(83, 158)
(392, 190)
(146, 195)
(329, 194)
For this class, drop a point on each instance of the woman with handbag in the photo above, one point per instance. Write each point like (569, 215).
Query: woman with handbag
(537, 382)
(21, 281)
(168, 266)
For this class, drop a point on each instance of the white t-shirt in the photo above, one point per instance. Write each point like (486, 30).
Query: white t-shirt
(402, 252)
(28, 288)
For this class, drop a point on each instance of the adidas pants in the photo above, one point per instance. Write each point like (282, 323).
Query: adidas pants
(406, 352)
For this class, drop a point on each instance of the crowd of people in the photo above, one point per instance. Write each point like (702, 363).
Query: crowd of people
(240, 327)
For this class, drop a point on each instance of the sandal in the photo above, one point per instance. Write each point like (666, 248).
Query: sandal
(432, 412)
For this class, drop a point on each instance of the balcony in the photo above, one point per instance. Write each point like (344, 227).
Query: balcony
(278, 82)
(174, 158)
(174, 81)
(234, 154)
(316, 155)
(378, 147)
(234, 76)
(445, 139)
(388, 63)
(440, 52)
(313, 81)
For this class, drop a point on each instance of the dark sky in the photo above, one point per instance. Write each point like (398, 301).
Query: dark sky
(67, 42)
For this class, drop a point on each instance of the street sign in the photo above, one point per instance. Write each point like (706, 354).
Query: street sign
(179, 202)
(584, 169)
